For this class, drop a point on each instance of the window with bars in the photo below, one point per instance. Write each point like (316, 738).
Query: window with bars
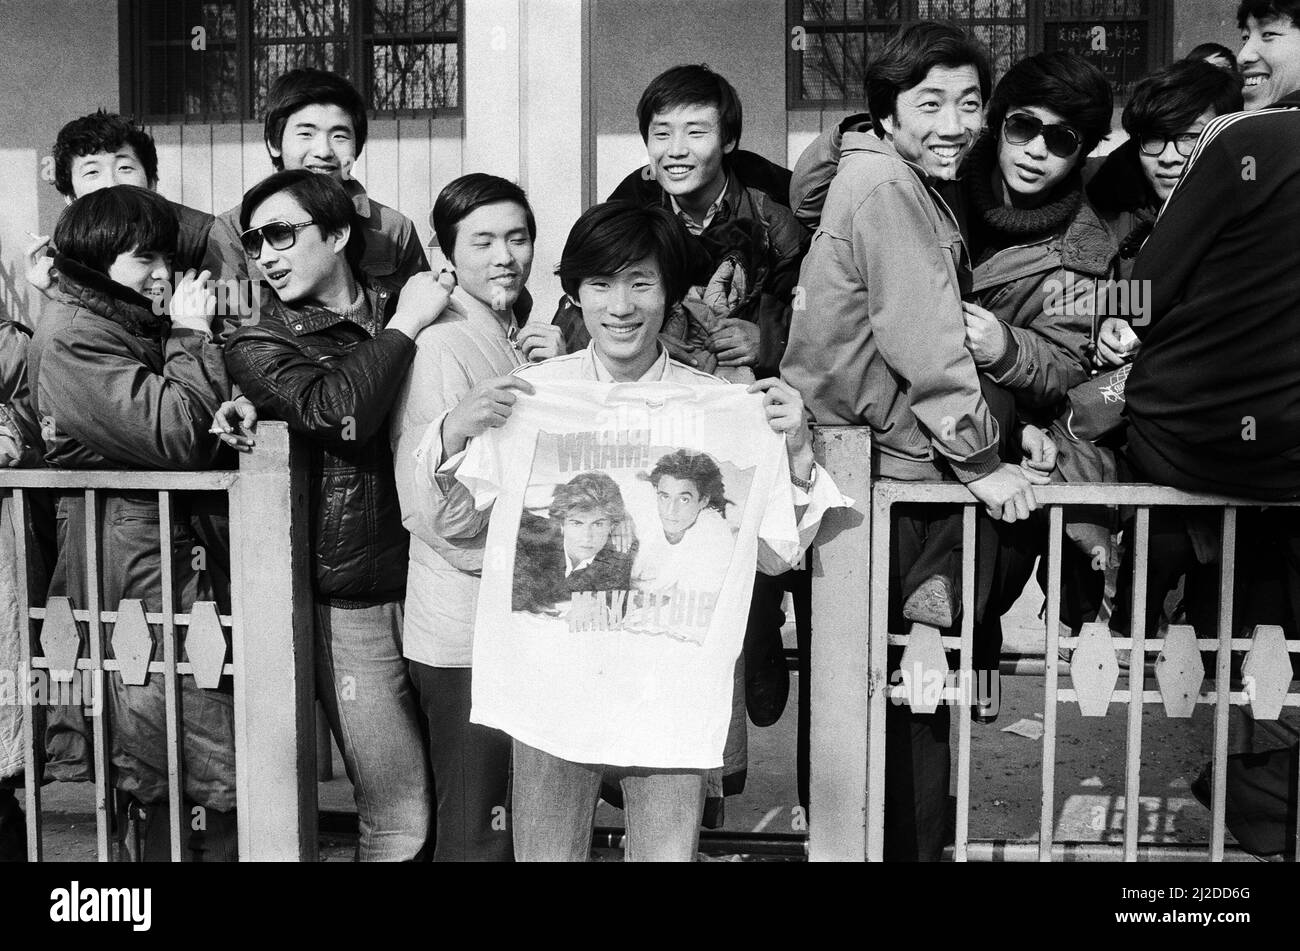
(831, 41)
(215, 60)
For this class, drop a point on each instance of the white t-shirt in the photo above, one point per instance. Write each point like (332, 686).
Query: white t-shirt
(634, 665)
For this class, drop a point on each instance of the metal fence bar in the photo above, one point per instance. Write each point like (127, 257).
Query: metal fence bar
(881, 526)
(1047, 818)
(1222, 685)
(965, 681)
(1137, 673)
(171, 686)
(842, 584)
(31, 751)
(95, 633)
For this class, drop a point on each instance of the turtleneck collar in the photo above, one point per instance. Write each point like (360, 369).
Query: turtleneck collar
(104, 297)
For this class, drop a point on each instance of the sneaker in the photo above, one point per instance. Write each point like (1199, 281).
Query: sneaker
(932, 603)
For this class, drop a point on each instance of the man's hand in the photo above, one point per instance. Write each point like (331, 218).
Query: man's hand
(986, 336)
(679, 350)
(736, 342)
(487, 406)
(424, 297)
(1040, 455)
(1006, 493)
(237, 412)
(1117, 344)
(786, 415)
(40, 266)
(540, 341)
(727, 288)
(193, 304)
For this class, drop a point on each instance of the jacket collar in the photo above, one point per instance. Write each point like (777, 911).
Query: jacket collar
(1289, 101)
(306, 319)
(360, 200)
(104, 297)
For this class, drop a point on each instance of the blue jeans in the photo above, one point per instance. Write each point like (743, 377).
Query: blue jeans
(554, 805)
(362, 682)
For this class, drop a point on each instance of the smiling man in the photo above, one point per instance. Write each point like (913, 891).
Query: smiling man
(101, 150)
(316, 120)
(882, 343)
(735, 206)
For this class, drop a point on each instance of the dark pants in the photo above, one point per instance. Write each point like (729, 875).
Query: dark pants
(924, 541)
(471, 771)
(1020, 547)
(763, 636)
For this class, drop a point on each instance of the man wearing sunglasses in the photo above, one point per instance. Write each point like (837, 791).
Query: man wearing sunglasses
(317, 120)
(329, 356)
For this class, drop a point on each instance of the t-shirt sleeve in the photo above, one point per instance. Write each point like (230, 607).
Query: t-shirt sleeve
(482, 468)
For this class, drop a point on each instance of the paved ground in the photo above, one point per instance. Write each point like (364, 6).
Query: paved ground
(1005, 798)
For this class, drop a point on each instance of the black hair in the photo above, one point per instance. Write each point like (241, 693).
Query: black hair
(467, 193)
(99, 226)
(1063, 82)
(697, 468)
(689, 86)
(321, 197)
(101, 132)
(610, 236)
(1208, 51)
(1263, 10)
(1169, 100)
(908, 58)
(300, 88)
(588, 491)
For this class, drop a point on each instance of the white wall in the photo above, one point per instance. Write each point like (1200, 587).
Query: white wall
(58, 60)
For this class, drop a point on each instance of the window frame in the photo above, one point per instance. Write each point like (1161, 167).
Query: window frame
(1160, 42)
(131, 46)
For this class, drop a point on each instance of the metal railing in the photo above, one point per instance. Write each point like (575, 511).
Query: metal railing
(850, 666)
(269, 629)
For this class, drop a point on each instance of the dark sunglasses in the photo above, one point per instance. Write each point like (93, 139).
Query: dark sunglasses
(278, 234)
(1156, 144)
(1061, 140)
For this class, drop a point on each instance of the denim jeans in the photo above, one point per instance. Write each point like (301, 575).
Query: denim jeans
(554, 805)
(362, 682)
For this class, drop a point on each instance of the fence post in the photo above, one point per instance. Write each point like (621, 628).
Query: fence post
(841, 600)
(275, 723)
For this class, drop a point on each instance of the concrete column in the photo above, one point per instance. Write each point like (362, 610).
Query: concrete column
(527, 115)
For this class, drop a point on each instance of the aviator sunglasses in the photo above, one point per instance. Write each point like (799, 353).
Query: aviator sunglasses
(279, 234)
(1020, 129)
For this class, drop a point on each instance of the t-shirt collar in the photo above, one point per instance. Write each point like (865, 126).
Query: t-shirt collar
(597, 369)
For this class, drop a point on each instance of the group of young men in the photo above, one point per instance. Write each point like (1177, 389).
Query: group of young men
(906, 278)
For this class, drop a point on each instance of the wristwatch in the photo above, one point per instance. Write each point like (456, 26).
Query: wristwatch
(805, 484)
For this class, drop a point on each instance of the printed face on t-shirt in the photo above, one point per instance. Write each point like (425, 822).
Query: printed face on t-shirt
(1269, 60)
(680, 506)
(585, 533)
(623, 313)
